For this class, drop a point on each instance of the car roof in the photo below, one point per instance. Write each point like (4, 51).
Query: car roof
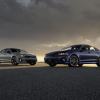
(11, 48)
(80, 45)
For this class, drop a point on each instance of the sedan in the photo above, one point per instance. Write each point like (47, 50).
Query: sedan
(74, 56)
(16, 56)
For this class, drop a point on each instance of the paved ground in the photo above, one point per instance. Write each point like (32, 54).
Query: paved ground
(45, 83)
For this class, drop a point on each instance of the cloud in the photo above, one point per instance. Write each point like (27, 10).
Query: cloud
(49, 24)
(24, 2)
(79, 40)
(56, 45)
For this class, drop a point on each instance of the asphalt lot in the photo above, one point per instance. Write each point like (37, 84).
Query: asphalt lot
(41, 82)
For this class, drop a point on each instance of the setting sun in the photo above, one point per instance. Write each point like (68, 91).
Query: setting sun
(40, 58)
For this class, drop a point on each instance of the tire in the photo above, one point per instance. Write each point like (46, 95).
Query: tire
(98, 64)
(52, 64)
(73, 61)
(14, 61)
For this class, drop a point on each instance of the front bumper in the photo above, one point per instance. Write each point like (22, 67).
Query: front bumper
(27, 60)
(57, 60)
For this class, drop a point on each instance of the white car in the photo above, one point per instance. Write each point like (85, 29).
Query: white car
(16, 56)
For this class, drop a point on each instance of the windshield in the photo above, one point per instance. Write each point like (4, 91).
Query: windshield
(15, 50)
(18, 51)
(23, 52)
(74, 48)
(66, 48)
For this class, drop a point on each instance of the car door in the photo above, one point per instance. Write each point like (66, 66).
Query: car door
(87, 55)
(93, 54)
(2, 56)
(8, 55)
(5, 55)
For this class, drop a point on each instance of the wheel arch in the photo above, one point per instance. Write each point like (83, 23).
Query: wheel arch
(76, 54)
(15, 57)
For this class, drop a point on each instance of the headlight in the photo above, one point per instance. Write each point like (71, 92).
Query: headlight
(22, 55)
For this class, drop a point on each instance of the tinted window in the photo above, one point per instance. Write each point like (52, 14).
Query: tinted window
(85, 48)
(66, 48)
(2, 51)
(96, 49)
(15, 50)
(76, 48)
(7, 51)
(93, 49)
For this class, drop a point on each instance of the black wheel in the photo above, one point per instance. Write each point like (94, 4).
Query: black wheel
(98, 64)
(73, 61)
(52, 64)
(14, 61)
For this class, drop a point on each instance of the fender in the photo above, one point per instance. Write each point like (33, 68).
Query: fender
(75, 53)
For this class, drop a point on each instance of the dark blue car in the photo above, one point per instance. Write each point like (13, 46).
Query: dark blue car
(74, 56)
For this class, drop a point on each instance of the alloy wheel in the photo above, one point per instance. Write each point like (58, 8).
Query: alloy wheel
(73, 62)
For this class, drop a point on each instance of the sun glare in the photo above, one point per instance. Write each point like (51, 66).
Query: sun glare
(40, 58)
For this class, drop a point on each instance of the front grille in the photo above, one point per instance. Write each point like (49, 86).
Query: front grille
(29, 56)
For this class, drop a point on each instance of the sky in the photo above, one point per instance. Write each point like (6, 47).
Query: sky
(41, 26)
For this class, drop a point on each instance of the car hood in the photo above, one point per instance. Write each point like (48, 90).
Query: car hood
(28, 55)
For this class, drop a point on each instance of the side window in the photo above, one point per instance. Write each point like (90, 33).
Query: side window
(2, 51)
(15, 50)
(85, 48)
(68, 48)
(8, 51)
(76, 48)
(92, 49)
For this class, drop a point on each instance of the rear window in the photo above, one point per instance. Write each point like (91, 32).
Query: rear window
(76, 47)
(15, 50)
